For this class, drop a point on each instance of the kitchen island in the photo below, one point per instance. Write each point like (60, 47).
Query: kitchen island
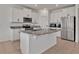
(35, 42)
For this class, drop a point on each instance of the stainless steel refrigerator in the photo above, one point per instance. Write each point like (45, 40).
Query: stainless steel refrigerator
(68, 28)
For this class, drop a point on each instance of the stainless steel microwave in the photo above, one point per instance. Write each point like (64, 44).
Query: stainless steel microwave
(27, 20)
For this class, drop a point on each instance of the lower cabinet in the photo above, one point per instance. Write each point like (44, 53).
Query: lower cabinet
(15, 34)
(24, 42)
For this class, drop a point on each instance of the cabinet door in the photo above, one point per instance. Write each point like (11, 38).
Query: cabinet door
(17, 15)
(35, 17)
(20, 15)
(24, 42)
(16, 34)
(27, 13)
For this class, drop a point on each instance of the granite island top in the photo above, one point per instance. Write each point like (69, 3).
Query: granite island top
(41, 32)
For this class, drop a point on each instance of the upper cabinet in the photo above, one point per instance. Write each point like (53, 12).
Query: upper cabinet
(17, 15)
(27, 13)
(57, 14)
(35, 17)
(43, 18)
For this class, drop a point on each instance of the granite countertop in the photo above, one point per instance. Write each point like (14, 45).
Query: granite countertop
(41, 32)
(15, 27)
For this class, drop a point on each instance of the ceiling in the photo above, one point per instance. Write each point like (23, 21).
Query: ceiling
(47, 6)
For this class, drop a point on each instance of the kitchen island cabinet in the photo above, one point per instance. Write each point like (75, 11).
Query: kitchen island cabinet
(35, 42)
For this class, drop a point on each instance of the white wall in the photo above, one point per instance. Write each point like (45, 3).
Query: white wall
(77, 22)
(5, 17)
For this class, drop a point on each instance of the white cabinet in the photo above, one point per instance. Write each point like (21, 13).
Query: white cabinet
(35, 17)
(27, 13)
(24, 42)
(43, 18)
(15, 34)
(17, 15)
(34, 44)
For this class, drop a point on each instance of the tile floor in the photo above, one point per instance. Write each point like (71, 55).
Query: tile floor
(62, 47)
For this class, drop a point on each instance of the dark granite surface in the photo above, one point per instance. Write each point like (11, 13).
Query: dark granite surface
(41, 32)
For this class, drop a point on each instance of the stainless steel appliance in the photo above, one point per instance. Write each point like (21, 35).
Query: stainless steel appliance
(27, 20)
(27, 27)
(52, 25)
(68, 28)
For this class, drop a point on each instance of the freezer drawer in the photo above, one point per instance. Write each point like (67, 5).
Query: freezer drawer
(70, 35)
